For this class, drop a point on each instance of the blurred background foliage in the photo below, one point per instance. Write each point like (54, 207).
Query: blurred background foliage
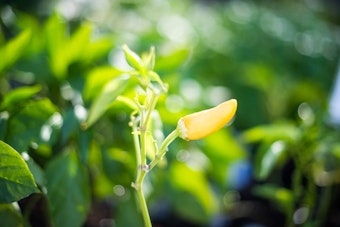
(276, 165)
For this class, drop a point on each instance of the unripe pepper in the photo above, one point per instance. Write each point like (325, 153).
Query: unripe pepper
(201, 124)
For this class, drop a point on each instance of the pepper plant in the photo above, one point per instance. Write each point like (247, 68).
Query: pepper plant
(147, 146)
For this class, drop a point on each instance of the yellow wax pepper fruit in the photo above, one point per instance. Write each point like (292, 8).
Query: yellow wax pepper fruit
(201, 124)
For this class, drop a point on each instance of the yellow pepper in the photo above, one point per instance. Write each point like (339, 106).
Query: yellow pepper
(201, 124)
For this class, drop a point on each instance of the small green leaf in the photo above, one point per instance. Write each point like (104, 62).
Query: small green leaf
(11, 52)
(268, 158)
(128, 102)
(149, 59)
(109, 93)
(18, 95)
(16, 180)
(132, 58)
(68, 191)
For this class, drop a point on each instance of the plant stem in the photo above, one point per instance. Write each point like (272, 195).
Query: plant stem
(164, 148)
(141, 199)
(140, 141)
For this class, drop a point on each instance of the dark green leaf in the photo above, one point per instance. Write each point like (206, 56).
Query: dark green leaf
(222, 149)
(128, 213)
(35, 123)
(282, 196)
(192, 181)
(10, 216)
(67, 191)
(16, 180)
(18, 95)
(118, 165)
(36, 170)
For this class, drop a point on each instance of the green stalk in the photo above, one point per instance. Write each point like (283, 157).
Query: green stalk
(140, 136)
(141, 199)
(164, 148)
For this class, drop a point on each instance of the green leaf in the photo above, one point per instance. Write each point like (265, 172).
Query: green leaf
(77, 43)
(97, 49)
(32, 124)
(149, 58)
(109, 93)
(10, 216)
(282, 197)
(96, 80)
(16, 180)
(12, 50)
(68, 191)
(222, 149)
(55, 32)
(268, 158)
(127, 213)
(3, 124)
(37, 172)
(18, 95)
(118, 165)
(281, 131)
(171, 61)
(132, 58)
(194, 182)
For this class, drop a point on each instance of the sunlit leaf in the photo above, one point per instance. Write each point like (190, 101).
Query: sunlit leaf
(109, 93)
(283, 131)
(77, 43)
(16, 180)
(268, 157)
(97, 79)
(97, 49)
(12, 50)
(55, 33)
(132, 58)
(172, 60)
(67, 191)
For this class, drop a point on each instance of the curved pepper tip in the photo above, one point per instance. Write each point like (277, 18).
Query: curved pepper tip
(201, 124)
